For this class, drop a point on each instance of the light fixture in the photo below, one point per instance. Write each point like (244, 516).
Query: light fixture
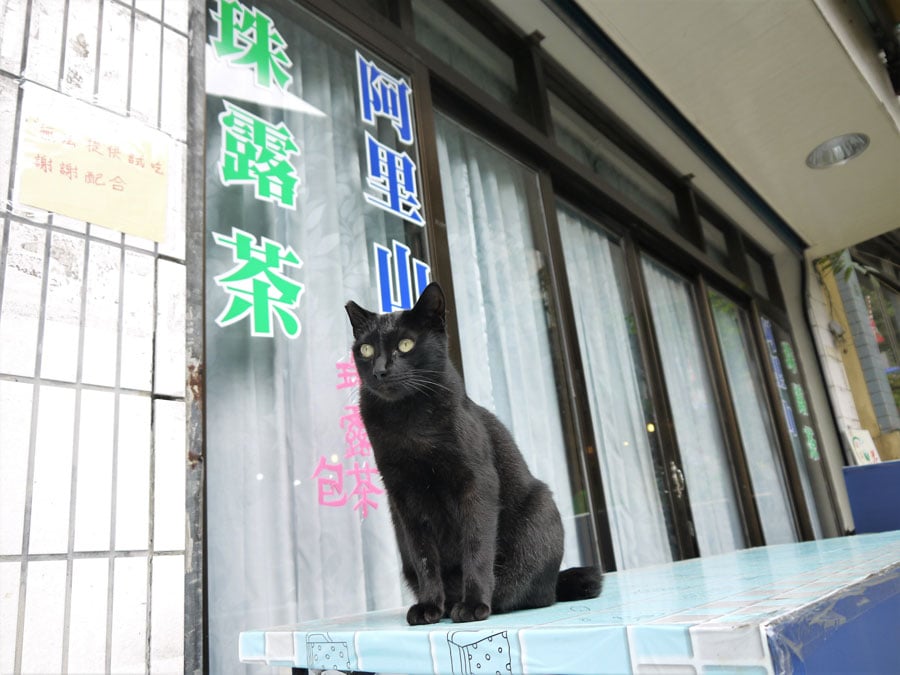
(837, 150)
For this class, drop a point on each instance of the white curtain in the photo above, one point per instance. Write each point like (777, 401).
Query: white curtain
(605, 326)
(754, 422)
(503, 327)
(714, 506)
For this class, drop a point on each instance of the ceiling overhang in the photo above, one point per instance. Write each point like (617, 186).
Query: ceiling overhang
(763, 82)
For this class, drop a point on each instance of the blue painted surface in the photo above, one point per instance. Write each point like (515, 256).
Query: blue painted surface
(874, 493)
(789, 608)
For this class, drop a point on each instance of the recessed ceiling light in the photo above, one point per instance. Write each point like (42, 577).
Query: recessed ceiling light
(837, 150)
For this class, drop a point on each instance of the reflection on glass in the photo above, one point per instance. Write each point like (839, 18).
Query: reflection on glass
(497, 280)
(633, 482)
(713, 501)
(578, 137)
(454, 40)
(754, 421)
(714, 241)
(757, 276)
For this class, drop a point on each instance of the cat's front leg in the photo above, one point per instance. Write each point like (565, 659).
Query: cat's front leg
(420, 555)
(479, 546)
(430, 589)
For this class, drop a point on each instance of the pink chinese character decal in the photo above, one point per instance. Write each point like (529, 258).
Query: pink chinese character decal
(364, 487)
(355, 438)
(330, 476)
(331, 484)
(347, 375)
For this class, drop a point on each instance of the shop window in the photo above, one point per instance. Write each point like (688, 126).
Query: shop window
(745, 383)
(460, 45)
(632, 471)
(312, 199)
(499, 282)
(633, 182)
(713, 501)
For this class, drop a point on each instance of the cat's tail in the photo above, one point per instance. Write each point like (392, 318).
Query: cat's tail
(578, 583)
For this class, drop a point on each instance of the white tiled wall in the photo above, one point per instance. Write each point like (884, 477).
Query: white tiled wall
(92, 363)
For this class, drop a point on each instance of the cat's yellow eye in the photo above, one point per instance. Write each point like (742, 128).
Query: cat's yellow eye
(405, 345)
(367, 351)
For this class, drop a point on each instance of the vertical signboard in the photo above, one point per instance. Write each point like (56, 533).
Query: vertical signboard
(312, 198)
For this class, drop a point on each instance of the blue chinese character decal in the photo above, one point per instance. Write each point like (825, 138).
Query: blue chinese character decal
(381, 95)
(392, 176)
(399, 295)
(789, 418)
(257, 286)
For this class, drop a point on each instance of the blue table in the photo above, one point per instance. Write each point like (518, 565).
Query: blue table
(824, 606)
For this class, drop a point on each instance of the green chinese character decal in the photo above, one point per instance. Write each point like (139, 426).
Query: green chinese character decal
(788, 352)
(257, 287)
(800, 400)
(247, 37)
(257, 152)
(812, 447)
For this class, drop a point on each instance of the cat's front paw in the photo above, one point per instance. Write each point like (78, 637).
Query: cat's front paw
(469, 611)
(424, 612)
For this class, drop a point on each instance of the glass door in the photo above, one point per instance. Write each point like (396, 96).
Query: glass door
(622, 415)
(505, 331)
(754, 419)
(703, 458)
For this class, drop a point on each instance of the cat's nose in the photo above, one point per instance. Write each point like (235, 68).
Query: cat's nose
(379, 368)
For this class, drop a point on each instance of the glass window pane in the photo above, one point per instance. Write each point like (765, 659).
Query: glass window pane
(713, 501)
(450, 37)
(754, 421)
(804, 442)
(715, 243)
(758, 276)
(489, 228)
(632, 471)
(276, 393)
(635, 184)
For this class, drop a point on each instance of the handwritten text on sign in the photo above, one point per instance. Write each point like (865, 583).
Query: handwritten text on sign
(83, 162)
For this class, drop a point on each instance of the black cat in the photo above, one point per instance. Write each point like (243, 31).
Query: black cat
(477, 532)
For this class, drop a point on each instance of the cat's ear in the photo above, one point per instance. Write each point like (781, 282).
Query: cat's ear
(359, 318)
(431, 306)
